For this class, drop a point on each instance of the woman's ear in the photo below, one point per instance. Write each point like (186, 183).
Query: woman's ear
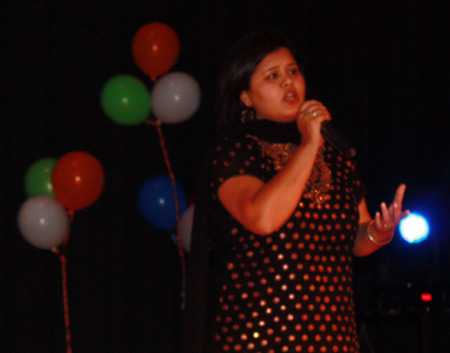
(246, 99)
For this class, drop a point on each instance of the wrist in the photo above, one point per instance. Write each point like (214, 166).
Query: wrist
(373, 240)
(313, 143)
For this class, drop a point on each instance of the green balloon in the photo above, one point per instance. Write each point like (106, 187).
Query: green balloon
(125, 100)
(38, 178)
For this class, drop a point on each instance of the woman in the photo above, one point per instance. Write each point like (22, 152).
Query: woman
(286, 217)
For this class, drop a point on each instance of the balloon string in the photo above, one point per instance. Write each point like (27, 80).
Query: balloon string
(62, 257)
(158, 124)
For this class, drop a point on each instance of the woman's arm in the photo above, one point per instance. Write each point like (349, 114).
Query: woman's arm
(265, 207)
(373, 234)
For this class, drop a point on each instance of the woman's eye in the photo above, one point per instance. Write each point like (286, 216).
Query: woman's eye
(293, 71)
(272, 76)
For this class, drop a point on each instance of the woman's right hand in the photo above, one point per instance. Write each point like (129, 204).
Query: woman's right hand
(311, 115)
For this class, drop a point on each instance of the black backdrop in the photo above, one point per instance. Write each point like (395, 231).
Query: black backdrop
(379, 66)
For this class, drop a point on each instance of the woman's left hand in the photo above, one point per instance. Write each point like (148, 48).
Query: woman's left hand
(388, 219)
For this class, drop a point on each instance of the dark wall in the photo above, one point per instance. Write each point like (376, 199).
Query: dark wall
(379, 66)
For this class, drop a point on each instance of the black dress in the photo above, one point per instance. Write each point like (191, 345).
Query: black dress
(290, 291)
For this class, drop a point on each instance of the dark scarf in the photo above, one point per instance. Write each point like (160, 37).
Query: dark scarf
(269, 131)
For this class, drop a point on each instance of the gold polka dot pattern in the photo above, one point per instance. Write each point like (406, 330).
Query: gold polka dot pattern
(290, 291)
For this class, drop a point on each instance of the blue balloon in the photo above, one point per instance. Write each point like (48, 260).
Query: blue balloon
(156, 202)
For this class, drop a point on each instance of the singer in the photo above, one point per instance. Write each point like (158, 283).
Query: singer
(270, 267)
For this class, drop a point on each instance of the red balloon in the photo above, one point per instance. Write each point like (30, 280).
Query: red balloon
(77, 180)
(155, 49)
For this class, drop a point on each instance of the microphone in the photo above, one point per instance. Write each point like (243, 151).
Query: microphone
(334, 137)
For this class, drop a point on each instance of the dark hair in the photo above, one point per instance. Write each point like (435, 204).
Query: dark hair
(238, 67)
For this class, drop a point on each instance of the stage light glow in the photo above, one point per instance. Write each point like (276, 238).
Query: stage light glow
(414, 228)
(426, 297)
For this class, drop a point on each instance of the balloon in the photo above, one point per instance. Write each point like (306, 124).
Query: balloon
(125, 100)
(185, 227)
(38, 178)
(43, 222)
(78, 180)
(155, 49)
(156, 202)
(175, 97)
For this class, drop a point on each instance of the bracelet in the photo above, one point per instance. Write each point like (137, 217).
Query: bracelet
(376, 242)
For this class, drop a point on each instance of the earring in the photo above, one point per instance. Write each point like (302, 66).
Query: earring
(247, 115)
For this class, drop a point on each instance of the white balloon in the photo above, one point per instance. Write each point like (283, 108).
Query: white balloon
(175, 97)
(185, 227)
(43, 222)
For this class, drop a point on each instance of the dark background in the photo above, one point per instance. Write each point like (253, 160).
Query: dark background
(381, 68)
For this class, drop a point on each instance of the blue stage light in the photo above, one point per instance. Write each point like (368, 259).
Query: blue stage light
(414, 228)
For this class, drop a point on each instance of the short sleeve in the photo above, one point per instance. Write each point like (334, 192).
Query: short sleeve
(238, 155)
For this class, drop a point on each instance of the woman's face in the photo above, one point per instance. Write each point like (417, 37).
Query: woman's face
(277, 88)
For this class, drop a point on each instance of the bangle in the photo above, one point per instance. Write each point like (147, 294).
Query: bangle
(376, 242)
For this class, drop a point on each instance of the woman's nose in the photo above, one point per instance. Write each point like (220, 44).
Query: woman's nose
(287, 81)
